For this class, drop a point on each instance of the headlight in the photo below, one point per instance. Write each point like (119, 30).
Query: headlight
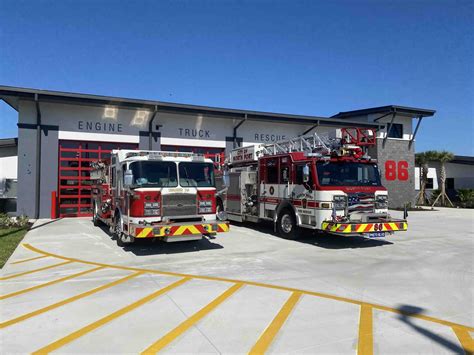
(205, 209)
(339, 202)
(152, 205)
(381, 201)
(152, 212)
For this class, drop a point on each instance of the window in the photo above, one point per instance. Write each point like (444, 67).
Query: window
(154, 173)
(347, 174)
(429, 184)
(196, 174)
(272, 171)
(396, 131)
(450, 183)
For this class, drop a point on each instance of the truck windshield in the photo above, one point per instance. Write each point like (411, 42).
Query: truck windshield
(196, 174)
(154, 174)
(347, 174)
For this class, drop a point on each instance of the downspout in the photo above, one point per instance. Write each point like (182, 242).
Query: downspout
(150, 129)
(234, 136)
(38, 158)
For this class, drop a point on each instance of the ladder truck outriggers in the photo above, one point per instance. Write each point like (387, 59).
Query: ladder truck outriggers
(326, 183)
(152, 194)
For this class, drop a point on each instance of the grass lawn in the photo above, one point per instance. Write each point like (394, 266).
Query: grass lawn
(9, 240)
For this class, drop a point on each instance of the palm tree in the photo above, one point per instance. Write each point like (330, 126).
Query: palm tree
(443, 157)
(422, 161)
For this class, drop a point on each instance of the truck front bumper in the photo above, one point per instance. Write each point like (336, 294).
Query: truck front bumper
(361, 228)
(178, 229)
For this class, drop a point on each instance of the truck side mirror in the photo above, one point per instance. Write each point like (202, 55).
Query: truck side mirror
(306, 173)
(128, 178)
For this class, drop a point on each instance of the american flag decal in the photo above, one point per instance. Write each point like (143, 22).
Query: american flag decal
(360, 202)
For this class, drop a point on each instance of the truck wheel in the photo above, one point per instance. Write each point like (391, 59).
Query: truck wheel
(122, 239)
(286, 224)
(95, 216)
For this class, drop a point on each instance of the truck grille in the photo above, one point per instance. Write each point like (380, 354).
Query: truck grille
(360, 202)
(179, 205)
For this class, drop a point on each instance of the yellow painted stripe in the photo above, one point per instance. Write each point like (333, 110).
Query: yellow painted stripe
(394, 226)
(29, 289)
(188, 323)
(92, 326)
(361, 228)
(36, 270)
(180, 230)
(366, 341)
(258, 284)
(266, 339)
(68, 300)
(465, 339)
(30, 259)
(224, 227)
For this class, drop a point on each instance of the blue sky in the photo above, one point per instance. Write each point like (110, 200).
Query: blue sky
(302, 57)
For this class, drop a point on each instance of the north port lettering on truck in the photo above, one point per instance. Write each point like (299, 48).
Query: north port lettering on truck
(246, 154)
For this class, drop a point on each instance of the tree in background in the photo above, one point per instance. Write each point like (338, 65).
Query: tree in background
(442, 157)
(421, 159)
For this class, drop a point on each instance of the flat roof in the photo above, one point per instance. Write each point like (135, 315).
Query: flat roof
(11, 95)
(404, 110)
(8, 142)
(462, 159)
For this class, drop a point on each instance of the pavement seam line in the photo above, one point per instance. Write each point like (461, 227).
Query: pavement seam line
(35, 270)
(467, 342)
(259, 284)
(365, 344)
(94, 325)
(49, 283)
(188, 323)
(29, 259)
(68, 300)
(269, 334)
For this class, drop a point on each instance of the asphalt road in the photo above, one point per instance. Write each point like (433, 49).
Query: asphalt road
(71, 289)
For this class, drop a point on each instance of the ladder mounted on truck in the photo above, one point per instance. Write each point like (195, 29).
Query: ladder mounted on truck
(324, 144)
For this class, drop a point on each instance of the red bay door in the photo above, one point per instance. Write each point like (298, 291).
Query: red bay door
(74, 166)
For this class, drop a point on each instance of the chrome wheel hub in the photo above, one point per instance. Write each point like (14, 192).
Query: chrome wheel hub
(286, 223)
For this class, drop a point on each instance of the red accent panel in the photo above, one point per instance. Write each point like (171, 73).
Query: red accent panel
(368, 227)
(53, 205)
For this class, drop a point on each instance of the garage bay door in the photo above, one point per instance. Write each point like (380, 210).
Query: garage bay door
(74, 184)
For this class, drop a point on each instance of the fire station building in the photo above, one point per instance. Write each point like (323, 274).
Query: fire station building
(60, 134)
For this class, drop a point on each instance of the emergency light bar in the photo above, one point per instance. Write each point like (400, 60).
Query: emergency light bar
(157, 155)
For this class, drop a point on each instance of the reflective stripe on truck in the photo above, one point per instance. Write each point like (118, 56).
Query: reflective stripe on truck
(364, 227)
(183, 229)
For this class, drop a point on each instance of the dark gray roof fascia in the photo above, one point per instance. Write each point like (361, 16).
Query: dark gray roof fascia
(57, 96)
(410, 111)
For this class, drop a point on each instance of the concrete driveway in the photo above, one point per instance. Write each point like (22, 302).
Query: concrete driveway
(71, 289)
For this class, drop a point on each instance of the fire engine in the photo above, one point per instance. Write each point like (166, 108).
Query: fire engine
(320, 182)
(152, 194)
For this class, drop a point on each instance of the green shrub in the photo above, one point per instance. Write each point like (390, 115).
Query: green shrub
(13, 222)
(466, 197)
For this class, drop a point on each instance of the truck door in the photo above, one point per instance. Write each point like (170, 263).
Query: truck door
(269, 190)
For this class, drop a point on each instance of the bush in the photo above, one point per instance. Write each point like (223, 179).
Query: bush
(13, 222)
(466, 198)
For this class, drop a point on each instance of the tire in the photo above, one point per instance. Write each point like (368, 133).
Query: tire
(95, 217)
(118, 232)
(286, 224)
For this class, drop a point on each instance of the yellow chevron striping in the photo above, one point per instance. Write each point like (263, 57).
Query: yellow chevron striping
(144, 232)
(224, 227)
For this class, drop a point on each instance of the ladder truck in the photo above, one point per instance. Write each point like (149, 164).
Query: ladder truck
(153, 194)
(325, 183)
